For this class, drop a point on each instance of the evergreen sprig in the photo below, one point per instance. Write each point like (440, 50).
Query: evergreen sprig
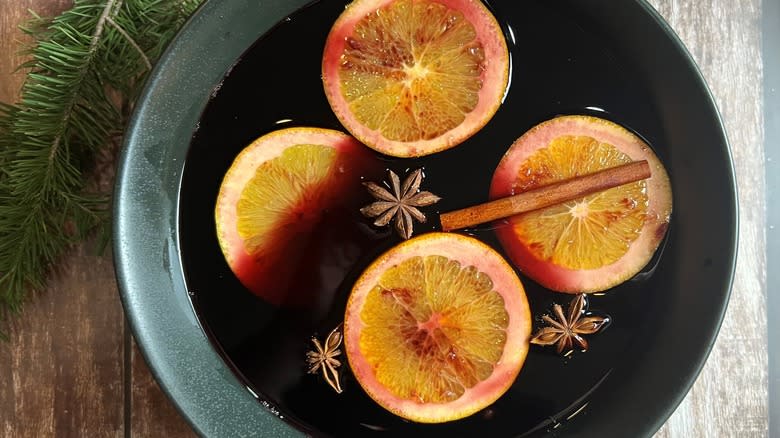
(86, 68)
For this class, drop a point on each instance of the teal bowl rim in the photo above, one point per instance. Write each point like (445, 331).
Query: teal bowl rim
(150, 276)
(152, 287)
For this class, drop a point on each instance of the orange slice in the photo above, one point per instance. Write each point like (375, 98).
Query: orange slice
(413, 77)
(437, 328)
(274, 196)
(596, 242)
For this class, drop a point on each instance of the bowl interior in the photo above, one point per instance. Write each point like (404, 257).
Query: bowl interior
(617, 61)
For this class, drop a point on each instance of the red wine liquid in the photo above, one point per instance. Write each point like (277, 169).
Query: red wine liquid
(559, 66)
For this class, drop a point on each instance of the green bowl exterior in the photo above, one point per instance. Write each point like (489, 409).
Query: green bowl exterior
(214, 400)
(149, 272)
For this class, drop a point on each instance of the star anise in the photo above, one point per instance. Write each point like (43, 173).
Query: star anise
(567, 331)
(401, 204)
(324, 358)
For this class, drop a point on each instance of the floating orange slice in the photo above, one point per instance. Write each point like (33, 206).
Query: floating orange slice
(437, 328)
(274, 196)
(596, 242)
(413, 77)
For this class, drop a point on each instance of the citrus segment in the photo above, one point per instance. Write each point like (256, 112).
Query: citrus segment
(591, 232)
(413, 77)
(273, 198)
(437, 328)
(289, 180)
(595, 242)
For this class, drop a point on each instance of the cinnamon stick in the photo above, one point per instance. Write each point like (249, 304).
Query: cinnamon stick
(546, 196)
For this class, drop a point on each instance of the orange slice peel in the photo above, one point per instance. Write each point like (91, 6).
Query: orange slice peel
(413, 77)
(596, 242)
(273, 197)
(437, 328)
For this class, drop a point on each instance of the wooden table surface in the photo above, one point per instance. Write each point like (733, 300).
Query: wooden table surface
(71, 368)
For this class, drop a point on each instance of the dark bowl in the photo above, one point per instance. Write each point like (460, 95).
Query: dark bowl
(693, 277)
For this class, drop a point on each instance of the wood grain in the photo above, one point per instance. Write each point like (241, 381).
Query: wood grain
(12, 15)
(729, 399)
(63, 373)
(63, 369)
(152, 413)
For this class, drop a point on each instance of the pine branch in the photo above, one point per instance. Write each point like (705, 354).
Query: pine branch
(86, 69)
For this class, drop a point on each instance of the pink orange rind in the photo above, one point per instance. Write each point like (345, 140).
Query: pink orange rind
(472, 255)
(288, 204)
(640, 250)
(395, 56)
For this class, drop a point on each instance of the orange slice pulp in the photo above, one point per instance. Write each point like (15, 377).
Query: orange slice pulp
(437, 328)
(596, 242)
(413, 77)
(273, 198)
